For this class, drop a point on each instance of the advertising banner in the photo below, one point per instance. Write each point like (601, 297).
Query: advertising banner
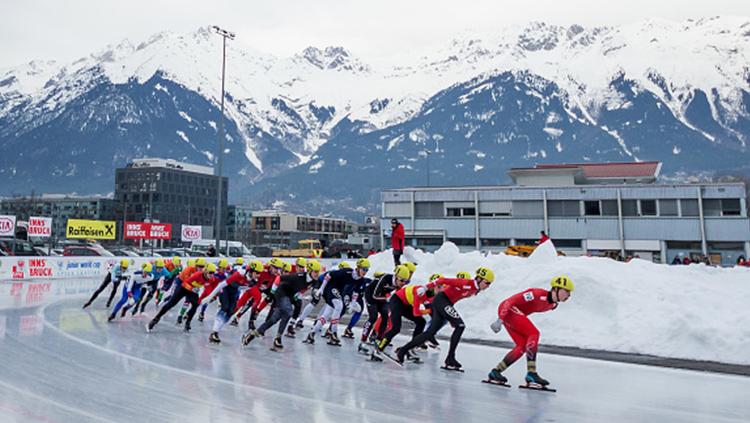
(160, 231)
(136, 230)
(191, 233)
(40, 226)
(7, 226)
(91, 229)
(145, 230)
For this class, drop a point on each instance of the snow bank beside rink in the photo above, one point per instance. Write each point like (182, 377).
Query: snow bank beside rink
(690, 312)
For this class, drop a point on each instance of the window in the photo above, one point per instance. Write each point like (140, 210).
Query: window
(525, 208)
(567, 243)
(494, 242)
(667, 207)
(630, 207)
(458, 212)
(609, 207)
(463, 242)
(428, 209)
(453, 212)
(689, 207)
(730, 207)
(592, 208)
(648, 207)
(711, 207)
(494, 208)
(564, 208)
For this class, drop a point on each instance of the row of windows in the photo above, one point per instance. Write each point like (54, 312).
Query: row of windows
(569, 208)
(178, 177)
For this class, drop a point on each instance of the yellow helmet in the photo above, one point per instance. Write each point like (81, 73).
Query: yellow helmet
(486, 274)
(211, 268)
(345, 265)
(411, 266)
(239, 261)
(255, 266)
(124, 263)
(313, 266)
(379, 274)
(301, 262)
(563, 282)
(146, 267)
(402, 272)
(287, 267)
(176, 260)
(200, 262)
(159, 262)
(276, 262)
(223, 263)
(191, 262)
(435, 276)
(363, 263)
(463, 275)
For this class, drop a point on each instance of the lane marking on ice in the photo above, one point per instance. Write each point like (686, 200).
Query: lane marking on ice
(325, 403)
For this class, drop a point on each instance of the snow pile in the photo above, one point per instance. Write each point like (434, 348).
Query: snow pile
(691, 312)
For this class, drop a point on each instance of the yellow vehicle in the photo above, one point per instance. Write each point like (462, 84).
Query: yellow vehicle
(524, 250)
(307, 248)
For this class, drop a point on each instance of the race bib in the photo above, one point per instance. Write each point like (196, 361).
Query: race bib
(528, 296)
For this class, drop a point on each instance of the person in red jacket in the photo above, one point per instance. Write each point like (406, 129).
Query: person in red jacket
(252, 299)
(542, 238)
(397, 240)
(188, 289)
(453, 291)
(512, 314)
(407, 303)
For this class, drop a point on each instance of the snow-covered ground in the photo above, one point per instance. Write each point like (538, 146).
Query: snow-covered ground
(691, 312)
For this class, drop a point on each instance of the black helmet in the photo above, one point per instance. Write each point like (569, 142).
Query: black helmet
(394, 221)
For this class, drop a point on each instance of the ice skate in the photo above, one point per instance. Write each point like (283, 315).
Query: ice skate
(214, 338)
(496, 378)
(348, 333)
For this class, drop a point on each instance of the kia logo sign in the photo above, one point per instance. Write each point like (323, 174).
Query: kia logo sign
(191, 233)
(6, 225)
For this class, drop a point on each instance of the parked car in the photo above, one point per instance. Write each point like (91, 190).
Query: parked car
(86, 250)
(123, 252)
(22, 248)
(41, 251)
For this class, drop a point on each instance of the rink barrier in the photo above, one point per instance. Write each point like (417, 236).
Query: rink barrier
(44, 268)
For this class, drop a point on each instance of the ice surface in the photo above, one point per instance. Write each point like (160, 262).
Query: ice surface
(63, 364)
(693, 312)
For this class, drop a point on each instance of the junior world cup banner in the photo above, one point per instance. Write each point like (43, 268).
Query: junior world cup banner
(91, 229)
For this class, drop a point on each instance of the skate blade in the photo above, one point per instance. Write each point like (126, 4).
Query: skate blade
(333, 344)
(393, 359)
(289, 335)
(452, 369)
(489, 382)
(274, 349)
(536, 387)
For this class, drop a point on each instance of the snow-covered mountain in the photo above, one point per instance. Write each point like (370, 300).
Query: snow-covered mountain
(314, 128)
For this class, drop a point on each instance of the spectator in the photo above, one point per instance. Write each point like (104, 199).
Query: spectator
(676, 260)
(397, 240)
(372, 252)
(211, 251)
(741, 261)
(542, 237)
(686, 260)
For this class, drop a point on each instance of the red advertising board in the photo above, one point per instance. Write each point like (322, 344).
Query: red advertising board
(160, 230)
(144, 230)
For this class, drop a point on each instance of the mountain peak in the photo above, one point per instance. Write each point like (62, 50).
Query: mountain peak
(332, 57)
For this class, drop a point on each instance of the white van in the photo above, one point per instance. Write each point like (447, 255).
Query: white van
(236, 248)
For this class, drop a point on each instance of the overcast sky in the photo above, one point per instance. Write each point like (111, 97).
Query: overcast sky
(68, 29)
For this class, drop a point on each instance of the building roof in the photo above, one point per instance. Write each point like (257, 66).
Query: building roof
(616, 170)
(171, 164)
(609, 170)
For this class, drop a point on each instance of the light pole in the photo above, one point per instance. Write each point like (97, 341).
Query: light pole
(230, 35)
(427, 154)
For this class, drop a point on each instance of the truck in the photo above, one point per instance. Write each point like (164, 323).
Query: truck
(306, 248)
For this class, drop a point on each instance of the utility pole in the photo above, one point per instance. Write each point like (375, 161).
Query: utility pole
(427, 154)
(225, 35)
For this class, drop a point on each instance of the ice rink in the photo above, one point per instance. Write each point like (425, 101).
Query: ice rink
(63, 364)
